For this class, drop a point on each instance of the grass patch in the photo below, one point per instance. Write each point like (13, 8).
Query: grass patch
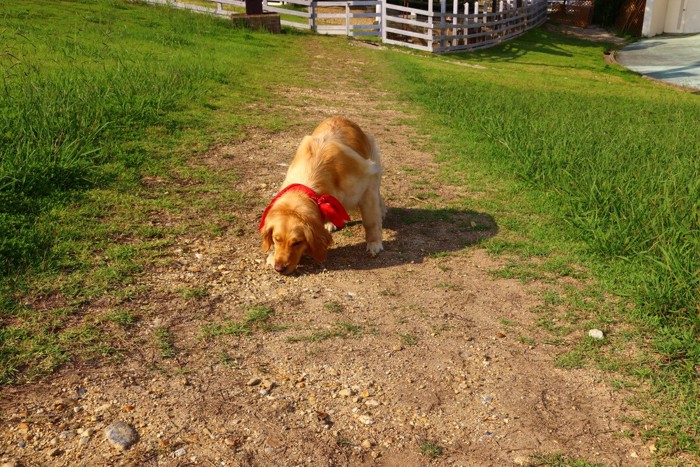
(102, 106)
(164, 341)
(431, 450)
(558, 460)
(557, 143)
(257, 318)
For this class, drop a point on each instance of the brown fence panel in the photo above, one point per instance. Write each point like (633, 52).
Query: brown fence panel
(574, 12)
(630, 18)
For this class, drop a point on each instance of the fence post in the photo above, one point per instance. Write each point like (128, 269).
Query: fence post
(455, 12)
(443, 23)
(312, 15)
(347, 19)
(382, 25)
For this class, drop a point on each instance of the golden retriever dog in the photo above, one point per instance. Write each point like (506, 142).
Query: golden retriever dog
(336, 169)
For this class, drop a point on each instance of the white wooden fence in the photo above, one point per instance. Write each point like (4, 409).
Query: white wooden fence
(440, 26)
(452, 26)
(350, 17)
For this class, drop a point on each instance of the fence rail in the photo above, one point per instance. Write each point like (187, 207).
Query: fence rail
(468, 26)
(419, 24)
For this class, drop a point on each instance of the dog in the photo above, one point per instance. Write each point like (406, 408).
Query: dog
(336, 169)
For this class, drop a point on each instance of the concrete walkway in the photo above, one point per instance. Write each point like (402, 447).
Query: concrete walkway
(673, 59)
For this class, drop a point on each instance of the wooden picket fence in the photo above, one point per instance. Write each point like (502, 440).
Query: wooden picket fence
(465, 26)
(439, 26)
(350, 18)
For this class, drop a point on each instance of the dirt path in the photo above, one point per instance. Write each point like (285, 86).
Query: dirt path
(413, 358)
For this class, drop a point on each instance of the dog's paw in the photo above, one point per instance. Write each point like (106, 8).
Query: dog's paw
(271, 259)
(330, 227)
(373, 248)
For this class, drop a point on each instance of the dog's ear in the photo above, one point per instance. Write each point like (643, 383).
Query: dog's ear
(318, 239)
(266, 237)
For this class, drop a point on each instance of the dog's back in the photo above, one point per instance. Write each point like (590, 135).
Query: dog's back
(348, 132)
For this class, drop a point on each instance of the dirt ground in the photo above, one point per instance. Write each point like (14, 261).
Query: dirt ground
(415, 357)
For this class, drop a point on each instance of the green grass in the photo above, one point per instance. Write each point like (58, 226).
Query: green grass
(430, 450)
(257, 318)
(558, 460)
(580, 162)
(95, 98)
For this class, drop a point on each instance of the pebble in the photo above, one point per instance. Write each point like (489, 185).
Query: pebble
(366, 444)
(596, 334)
(372, 403)
(345, 392)
(253, 381)
(121, 435)
(180, 452)
(365, 419)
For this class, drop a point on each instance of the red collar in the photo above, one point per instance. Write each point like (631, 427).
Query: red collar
(330, 207)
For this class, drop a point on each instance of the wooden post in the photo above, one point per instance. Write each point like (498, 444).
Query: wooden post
(253, 7)
(312, 15)
(383, 23)
(443, 23)
(455, 11)
(347, 19)
(430, 25)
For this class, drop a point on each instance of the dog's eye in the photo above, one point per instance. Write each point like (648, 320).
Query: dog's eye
(297, 243)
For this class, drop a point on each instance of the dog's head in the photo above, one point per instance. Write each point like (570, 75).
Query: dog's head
(294, 227)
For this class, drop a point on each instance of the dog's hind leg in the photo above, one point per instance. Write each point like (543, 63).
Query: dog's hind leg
(373, 211)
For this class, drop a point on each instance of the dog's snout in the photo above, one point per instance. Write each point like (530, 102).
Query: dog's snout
(280, 268)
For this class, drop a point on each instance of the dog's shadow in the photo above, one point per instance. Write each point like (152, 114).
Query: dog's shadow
(418, 234)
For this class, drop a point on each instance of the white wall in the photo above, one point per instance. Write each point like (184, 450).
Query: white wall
(692, 17)
(654, 17)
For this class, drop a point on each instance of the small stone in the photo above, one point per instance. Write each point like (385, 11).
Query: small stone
(10, 464)
(269, 450)
(23, 428)
(180, 452)
(596, 334)
(652, 448)
(372, 403)
(87, 432)
(267, 384)
(520, 460)
(345, 392)
(121, 435)
(365, 420)
(55, 452)
(253, 381)
(397, 348)
(24, 444)
(366, 444)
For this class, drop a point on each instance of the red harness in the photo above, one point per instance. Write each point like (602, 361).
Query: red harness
(329, 205)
